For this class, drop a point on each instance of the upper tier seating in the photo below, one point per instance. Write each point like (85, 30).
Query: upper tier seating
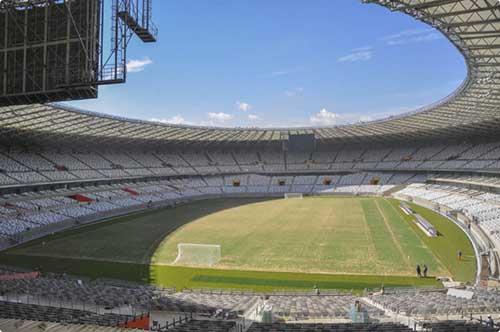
(57, 166)
(349, 155)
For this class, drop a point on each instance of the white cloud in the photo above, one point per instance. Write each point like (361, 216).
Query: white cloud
(324, 118)
(253, 117)
(294, 92)
(412, 36)
(357, 54)
(177, 119)
(243, 106)
(135, 66)
(220, 117)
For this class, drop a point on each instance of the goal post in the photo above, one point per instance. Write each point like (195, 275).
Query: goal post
(293, 195)
(198, 254)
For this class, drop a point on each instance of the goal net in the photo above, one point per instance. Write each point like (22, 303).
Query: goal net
(198, 254)
(293, 195)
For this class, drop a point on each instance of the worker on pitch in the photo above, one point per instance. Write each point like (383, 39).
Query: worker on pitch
(419, 271)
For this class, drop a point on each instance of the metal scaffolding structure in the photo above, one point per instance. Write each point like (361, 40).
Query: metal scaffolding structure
(137, 16)
(57, 50)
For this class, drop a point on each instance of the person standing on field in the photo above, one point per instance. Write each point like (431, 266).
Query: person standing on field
(490, 322)
(419, 271)
(425, 271)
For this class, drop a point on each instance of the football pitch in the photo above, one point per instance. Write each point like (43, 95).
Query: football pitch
(332, 242)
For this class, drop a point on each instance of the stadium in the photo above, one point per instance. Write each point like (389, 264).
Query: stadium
(110, 223)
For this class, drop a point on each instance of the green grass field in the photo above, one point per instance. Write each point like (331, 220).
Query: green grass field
(341, 243)
(316, 235)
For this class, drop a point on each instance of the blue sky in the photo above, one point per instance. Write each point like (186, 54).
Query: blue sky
(281, 63)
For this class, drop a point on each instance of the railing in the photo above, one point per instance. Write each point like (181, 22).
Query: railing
(112, 73)
(178, 320)
(325, 292)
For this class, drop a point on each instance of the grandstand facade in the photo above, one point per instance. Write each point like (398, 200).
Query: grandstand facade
(62, 167)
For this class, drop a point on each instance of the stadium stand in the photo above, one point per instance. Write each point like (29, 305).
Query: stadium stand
(61, 167)
(383, 327)
(316, 307)
(437, 302)
(205, 325)
(60, 298)
(280, 327)
(30, 211)
(35, 312)
(34, 326)
(73, 292)
(33, 168)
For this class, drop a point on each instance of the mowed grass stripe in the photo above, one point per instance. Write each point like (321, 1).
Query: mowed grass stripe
(181, 277)
(345, 283)
(447, 244)
(369, 238)
(389, 259)
(185, 277)
(410, 240)
(395, 237)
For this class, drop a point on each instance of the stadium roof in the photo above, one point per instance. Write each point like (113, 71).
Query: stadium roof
(473, 26)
